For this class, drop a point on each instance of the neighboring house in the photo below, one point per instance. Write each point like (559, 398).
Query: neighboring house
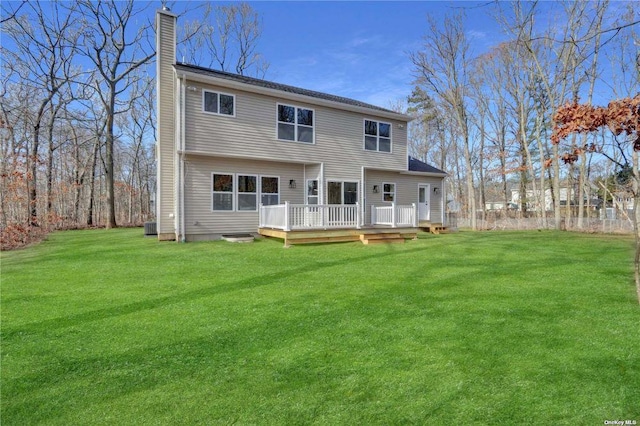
(238, 154)
(532, 200)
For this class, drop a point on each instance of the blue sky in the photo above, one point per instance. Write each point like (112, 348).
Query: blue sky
(357, 49)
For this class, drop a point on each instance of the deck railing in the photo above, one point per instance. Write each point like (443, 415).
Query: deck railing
(394, 215)
(290, 217)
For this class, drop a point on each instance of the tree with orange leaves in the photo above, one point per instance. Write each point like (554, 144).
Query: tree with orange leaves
(622, 117)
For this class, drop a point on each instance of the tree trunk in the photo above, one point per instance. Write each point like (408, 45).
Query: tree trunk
(92, 180)
(636, 222)
(108, 167)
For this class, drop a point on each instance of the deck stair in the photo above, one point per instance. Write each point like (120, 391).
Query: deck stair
(434, 228)
(386, 238)
(366, 236)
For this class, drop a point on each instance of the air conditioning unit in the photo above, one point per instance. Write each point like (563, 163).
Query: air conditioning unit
(150, 228)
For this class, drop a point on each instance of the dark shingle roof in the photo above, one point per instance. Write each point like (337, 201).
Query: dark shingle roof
(277, 86)
(416, 165)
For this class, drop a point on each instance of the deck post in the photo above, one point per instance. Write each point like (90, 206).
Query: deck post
(286, 217)
(358, 216)
(260, 216)
(393, 214)
(415, 215)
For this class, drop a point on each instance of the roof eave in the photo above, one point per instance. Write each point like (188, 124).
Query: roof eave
(209, 79)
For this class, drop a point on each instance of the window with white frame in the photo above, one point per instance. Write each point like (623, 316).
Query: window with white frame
(218, 103)
(247, 193)
(388, 191)
(377, 136)
(269, 190)
(312, 192)
(222, 187)
(342, 192)
(242, 192)
(295, 124)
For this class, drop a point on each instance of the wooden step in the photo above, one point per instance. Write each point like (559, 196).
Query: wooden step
(383, 241)
(379, 236)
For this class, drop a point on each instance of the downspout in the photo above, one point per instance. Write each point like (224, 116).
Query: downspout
(321, 185)
(363, 198)
(181, 141)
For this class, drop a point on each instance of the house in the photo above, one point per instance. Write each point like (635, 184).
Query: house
(242, 155)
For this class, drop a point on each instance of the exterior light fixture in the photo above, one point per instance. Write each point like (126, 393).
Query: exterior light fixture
(375, 189)
(292, 184)
(436, 190)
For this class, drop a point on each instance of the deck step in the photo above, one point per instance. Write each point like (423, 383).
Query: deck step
(383, 241)
(379, 236)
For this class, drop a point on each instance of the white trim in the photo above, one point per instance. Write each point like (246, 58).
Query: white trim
(233, 190)
(260, 193)
(306, 191)
(238, 193)
(296, 125)
(205, 91)
(364, 136)
(395, 186)
(342, 182)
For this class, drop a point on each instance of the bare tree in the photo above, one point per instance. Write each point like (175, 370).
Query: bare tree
(117, 44)
(227, 38)
(442, 69)
(43, 37)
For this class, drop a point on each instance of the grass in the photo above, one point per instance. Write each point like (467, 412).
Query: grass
(107, 327)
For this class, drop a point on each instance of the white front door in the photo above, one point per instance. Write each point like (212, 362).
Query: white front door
(424, 192)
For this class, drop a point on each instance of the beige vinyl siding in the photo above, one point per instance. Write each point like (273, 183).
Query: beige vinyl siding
(339, 135)
(201, 220)
(166, 124)
(406, 191)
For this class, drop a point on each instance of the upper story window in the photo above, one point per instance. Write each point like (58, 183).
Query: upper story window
(377, 136)
(218, 103)
(295, 124)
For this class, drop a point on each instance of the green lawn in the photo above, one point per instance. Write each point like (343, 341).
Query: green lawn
(109, 327)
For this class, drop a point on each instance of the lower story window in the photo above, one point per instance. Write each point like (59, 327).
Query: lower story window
(312, 191)
(243, 192)
(342, 192)
(247, 193)
(223, 192)
(269, 191)
(388, 192)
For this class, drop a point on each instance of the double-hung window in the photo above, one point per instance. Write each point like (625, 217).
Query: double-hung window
(295, 124)
(218, 103)
(247, 193)
(377, 136)
(269, 190)
(222, 192)
(388, 191)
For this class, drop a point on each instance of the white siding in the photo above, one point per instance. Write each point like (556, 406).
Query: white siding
(252, 133)
(406, 191)
(202, 221)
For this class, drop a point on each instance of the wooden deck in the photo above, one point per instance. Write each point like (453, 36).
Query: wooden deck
(369, 235)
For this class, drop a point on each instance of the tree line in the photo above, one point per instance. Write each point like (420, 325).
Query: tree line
(77, 107)
(488, 118)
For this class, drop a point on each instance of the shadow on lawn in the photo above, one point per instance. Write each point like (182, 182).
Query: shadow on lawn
(253, 282)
